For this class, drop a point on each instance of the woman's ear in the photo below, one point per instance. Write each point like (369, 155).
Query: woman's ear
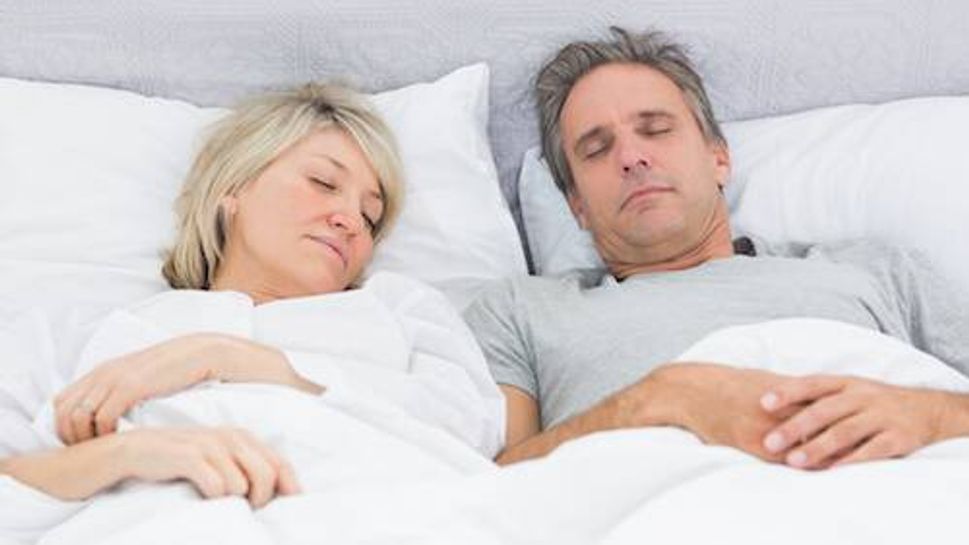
(228, 206)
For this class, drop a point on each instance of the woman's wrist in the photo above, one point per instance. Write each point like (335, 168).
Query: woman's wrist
(241, 360)
(72, 473)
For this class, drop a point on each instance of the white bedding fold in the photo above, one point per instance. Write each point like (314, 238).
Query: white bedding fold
(391, 479)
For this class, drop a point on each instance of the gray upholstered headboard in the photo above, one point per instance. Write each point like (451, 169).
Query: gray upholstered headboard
(759, 56)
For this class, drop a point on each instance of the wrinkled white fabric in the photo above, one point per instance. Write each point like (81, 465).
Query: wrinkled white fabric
(408, 395)
(630, 486)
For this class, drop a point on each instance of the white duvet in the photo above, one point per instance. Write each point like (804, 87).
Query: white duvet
(376, 473)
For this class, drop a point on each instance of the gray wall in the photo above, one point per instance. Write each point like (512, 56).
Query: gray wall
(759, 56)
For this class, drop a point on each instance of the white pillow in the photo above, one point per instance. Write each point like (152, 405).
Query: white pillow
(556, 241)
(89, 176)
(895, 171)
(455, 222)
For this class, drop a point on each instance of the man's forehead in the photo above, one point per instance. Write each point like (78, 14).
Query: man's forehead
(619, 91)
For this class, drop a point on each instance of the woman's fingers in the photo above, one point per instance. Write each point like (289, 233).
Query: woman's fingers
(206, 478)
(221, 455)
(234, 463)
(285, 482)
(260, 469)
(116, 403)
(75, 412)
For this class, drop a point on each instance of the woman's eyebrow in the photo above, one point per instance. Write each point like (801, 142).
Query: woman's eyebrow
(332, 159)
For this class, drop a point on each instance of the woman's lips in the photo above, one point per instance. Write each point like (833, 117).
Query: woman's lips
(333, 244)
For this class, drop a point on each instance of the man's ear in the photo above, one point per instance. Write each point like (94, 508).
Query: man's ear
(578, 208)
(721, 163)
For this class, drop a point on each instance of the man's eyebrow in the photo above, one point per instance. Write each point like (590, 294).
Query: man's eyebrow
(650, 115)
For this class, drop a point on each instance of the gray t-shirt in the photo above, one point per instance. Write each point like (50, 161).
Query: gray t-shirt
(571, 341)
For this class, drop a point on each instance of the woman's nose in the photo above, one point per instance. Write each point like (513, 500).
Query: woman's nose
(344, 221)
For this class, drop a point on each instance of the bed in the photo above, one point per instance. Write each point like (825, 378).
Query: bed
(834, 111)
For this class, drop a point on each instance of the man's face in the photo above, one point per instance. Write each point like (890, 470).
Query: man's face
(646, 180)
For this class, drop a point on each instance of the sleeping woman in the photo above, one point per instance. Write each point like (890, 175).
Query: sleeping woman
(270, 355)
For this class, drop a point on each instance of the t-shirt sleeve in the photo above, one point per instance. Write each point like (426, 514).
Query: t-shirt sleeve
(933, 311)
(497, 321)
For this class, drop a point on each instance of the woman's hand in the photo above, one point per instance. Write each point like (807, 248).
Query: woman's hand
(92, 406)
(217, 461)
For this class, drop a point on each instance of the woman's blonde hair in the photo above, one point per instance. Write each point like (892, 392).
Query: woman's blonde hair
(245, 142)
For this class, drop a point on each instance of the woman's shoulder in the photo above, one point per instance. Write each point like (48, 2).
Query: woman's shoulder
(182, 311)
(398, 291)
(392, 283)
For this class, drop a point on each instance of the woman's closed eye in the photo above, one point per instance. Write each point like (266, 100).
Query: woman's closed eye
(325, 182)
(370, 222)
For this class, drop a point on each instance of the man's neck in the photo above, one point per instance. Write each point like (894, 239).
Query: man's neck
(717, 243)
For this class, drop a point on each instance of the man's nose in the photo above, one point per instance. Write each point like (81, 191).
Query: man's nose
(633, 158)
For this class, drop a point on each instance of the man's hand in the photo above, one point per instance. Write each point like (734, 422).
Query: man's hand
(719, 404)
(846, 420)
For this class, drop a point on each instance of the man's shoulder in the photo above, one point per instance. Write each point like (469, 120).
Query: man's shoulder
(517, 294)
(857, 248)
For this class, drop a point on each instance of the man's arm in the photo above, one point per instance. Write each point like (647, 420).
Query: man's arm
(526, 440)
(721, 405)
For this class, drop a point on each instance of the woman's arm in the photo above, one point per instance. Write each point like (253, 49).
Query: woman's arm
(92, 406)
(72, 473)
(218, 462)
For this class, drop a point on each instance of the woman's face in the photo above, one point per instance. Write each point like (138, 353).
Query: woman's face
(305, 225)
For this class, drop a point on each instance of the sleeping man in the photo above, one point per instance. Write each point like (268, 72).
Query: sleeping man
(631, 140)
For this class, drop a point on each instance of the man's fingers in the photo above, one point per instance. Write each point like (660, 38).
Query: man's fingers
(810, 421)
(835, 442)
(800, 390)
(879, 447)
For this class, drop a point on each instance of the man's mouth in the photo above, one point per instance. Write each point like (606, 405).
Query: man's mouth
(645, 192)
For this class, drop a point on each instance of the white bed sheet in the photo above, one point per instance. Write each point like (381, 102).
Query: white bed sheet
(632, 486)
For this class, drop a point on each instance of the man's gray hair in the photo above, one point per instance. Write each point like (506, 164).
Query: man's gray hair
(652, 49)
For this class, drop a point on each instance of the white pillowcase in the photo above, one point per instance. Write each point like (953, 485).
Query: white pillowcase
(89, 176)
(555, 240)
(894, 171)
(455, 222)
